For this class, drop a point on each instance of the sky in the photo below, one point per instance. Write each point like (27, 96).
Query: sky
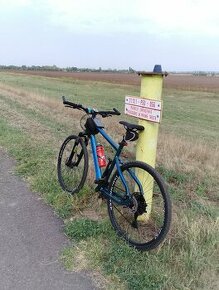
(181, 35)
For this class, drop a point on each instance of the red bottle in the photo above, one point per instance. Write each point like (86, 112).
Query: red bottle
(101, 155)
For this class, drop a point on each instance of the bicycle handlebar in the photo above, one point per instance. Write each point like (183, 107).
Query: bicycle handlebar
(71, 105)
(90, 111)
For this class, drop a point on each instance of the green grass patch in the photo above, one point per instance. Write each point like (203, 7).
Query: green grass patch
(175, 266)
(35, 162)
(82, 229)
(193, 114)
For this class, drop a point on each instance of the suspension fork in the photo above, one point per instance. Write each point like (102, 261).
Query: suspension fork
(73, 152)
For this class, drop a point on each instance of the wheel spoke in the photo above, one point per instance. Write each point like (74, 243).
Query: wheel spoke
(72, 164)
(122, 214)
(141, 229)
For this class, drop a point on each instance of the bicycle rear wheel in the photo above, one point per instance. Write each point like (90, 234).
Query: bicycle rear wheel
(146, 222)
(72, 164)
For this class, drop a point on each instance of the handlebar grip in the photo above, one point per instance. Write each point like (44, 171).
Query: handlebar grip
(116, 111)
(69, 104)
(73, 105)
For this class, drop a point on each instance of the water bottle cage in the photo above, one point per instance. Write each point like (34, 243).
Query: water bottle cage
(101, 157)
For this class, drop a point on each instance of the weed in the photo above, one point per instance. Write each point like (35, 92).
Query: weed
(82, 229)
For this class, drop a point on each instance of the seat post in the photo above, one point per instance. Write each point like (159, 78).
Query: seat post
(122, 143)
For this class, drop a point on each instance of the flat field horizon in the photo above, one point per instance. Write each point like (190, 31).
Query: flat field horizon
(171, 81)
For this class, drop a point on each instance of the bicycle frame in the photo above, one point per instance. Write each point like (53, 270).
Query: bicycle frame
(107, 172)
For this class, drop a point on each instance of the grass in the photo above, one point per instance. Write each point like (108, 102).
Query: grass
(192, 114)
(33, 124)
(175, 266)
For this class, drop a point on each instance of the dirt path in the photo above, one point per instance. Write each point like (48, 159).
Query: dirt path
(31, 239)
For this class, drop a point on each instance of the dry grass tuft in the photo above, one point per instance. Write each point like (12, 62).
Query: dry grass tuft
(186, 155)
(43, 104)
(34, 129)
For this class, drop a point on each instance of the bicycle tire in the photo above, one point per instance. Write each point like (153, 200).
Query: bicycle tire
(151, 231)
(72, 166)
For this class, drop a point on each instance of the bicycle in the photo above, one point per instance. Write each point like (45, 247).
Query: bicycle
(123, 185)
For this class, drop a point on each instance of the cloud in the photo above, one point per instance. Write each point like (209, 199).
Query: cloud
(185, 16)
(92, 16)
(169, 17)
(13, 4)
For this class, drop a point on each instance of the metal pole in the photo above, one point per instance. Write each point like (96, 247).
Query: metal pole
(151, 88)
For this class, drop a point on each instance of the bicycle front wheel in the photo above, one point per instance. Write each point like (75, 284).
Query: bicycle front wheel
(145, 223)
(72, 164)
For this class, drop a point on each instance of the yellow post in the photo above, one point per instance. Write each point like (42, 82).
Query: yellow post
(151, 88)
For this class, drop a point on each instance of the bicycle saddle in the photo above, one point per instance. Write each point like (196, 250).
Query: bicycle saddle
(131, 126)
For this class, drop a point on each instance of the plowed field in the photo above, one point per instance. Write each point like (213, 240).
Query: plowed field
(174, 81)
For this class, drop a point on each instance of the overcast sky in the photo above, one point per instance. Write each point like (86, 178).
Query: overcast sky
(178, 34)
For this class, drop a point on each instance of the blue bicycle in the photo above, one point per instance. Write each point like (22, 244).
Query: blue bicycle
(138, 202)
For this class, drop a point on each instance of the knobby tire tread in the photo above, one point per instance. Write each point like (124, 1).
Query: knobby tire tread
(85, 157)
(167, 202)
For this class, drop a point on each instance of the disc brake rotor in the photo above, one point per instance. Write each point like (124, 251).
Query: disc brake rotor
(138, 208)
(139, 205)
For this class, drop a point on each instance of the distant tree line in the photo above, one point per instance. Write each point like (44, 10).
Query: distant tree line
(205, 73)
(77, 69)
(67, 69)
(197, 73)
(33, 67)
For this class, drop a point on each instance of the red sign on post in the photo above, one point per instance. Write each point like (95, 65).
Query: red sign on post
(143, 108)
